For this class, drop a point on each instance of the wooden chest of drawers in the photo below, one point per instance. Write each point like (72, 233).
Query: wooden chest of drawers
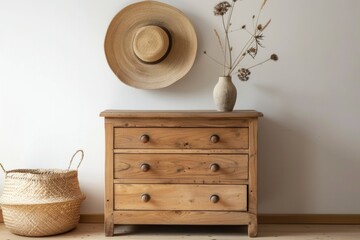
(181, 167)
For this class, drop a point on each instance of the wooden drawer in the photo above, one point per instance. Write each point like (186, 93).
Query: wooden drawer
(180, 197)
(181, 138)
(198, 167)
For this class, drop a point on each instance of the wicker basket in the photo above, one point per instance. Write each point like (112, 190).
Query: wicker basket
(41, 202)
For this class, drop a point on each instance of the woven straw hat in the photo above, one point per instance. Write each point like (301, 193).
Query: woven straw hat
(150, 45)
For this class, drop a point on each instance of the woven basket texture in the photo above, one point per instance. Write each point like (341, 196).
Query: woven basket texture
(36, 186)
(42, 220)
(41, 202)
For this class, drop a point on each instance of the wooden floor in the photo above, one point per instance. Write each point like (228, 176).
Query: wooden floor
(266, 231)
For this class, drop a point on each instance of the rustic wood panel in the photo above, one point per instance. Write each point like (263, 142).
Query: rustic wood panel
(253, 167)
(184, 181)
(177, 122)
(253, 202)
(203, 114)
(181, 138)
(181, 166)
(182, 217)
(180, 197)
(184, 151)
(109, 176)
(178, 149)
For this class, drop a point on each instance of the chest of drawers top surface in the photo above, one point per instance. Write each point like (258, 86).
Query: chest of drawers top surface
(179, 114)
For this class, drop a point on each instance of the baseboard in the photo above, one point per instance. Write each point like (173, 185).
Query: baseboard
(272, 218)
(92, 218)
(309, 218)
(353, 219)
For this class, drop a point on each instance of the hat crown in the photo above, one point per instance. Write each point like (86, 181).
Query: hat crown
(151, 43)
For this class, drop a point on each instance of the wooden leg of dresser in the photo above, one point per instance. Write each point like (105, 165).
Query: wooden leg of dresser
(253, 227)
(109, 229)
(109, 226)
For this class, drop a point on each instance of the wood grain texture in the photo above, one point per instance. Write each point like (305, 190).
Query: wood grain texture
(109, 176)
(203, 114)
(178, 122)
(184, 151)
(253, 225)
(176, 184)
(181, 138)
(184, 181)
(182, 217)
(181, 166)
(253, 167)
(252, 191)
(180, 197)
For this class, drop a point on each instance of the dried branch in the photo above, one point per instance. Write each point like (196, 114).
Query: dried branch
(251, 47)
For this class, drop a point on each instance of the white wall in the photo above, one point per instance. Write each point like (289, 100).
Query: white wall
(54, 82)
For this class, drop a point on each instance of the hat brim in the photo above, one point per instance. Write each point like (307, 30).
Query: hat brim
(122, 59)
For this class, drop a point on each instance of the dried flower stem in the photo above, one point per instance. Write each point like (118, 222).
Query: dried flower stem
(226, 42)
(216, 61)
(252, 39)
(241, 55)
(262, 6)
(227, 35)
(252, 35)
(259, 63)
(267, 24)
(251, 47)
(221, 45)
(227, 47)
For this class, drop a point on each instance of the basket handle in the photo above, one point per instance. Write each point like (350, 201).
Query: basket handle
(2, 168)
(72, 158)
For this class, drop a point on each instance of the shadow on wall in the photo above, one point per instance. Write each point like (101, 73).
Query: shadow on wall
(285, 173)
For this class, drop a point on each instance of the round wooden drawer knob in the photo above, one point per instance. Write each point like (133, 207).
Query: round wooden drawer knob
(214, 167)
(144, 138)
(145, 197)
(214, 138)
(214, 198)
(145, 167)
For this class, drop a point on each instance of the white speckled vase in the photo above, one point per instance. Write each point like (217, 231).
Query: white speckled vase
(224, 94)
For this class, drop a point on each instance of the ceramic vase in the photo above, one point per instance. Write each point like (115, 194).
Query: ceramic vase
(224, 94)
